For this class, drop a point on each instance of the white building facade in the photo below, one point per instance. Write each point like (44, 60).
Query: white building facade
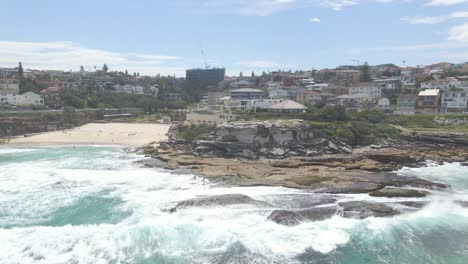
(454, 102)
(29, 99)
(366, 91)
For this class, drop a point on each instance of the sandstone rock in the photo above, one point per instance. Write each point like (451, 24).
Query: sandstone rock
(291, 218)
(173, 164)
(354, 209)
(361, 210)
(353, 187)
(219, 200)
(397, 192)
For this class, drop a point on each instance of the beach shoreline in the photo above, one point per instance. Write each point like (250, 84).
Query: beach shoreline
(118, 134)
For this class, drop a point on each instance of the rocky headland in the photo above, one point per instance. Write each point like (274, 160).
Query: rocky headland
(290, 155)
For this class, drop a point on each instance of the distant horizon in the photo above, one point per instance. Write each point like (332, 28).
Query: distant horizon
(168, 37)
(245, 73)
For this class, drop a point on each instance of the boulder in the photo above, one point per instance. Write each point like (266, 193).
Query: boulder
(353, 209)
(353, 187)
(361, 209)
(219, 200)
(397, 192)
(290, 218)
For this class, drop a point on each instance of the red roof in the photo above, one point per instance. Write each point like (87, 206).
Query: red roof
(52, 89)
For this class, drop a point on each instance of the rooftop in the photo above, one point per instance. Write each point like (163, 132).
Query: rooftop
(288, 104)
(429, 92)
(247, 90)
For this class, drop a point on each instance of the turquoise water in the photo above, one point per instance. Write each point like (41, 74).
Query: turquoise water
(97, 204)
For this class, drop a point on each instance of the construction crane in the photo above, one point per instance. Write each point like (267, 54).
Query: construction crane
(204, 59)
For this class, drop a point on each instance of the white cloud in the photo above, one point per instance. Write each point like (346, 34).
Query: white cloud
(63, 55)
(315, 20)
(247, 7)
(338, 5)
(459, 33)
(445, 2)
(263, 64)
(265, 7)
(435, 19)
(270, 7)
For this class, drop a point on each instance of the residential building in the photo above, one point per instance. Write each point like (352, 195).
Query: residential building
(350, 102)
(337, 89)
(277, 93)
(52, 92)
(389, 83)
(213, 118)
(348, 76)
(294, 91)
(8, 99)
(30, 99)
(453, 102)
(384, 105)
(247, 93)
(442, 84)
(205, 77)
(253, 105)
(428, 101)
(308, 97)
(287, 106)
(366, 90)
(9, 86)
(214, 98)
(317, 87)
(406, 104)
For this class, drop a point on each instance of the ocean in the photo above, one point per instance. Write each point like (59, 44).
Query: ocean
(99, 204)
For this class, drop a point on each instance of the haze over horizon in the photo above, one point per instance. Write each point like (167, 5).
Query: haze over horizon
(163, 37)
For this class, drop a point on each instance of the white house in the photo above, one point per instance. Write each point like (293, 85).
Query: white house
(8, 99)
(29, 98)
(212, 118)
(384, 104)
(254, 104)
(287, 106)
(454, 102)
(317, 87)
(443, 84)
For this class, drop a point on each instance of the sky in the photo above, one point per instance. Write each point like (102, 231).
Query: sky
(166, 37)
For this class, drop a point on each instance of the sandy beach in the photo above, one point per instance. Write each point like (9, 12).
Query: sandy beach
(126, 134)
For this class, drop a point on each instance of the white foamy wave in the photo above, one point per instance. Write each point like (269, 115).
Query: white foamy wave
(4, 151)
(32, 192)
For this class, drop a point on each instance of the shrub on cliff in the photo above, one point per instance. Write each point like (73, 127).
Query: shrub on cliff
(333, 113)
(193, 132)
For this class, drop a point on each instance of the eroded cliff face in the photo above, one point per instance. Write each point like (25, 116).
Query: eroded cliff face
(263, 139)
(264, 134)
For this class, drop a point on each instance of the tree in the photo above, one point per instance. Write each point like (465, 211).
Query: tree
(365, 73)
(69, 115)
(20, 71)
(105, 68)
(333, 113)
